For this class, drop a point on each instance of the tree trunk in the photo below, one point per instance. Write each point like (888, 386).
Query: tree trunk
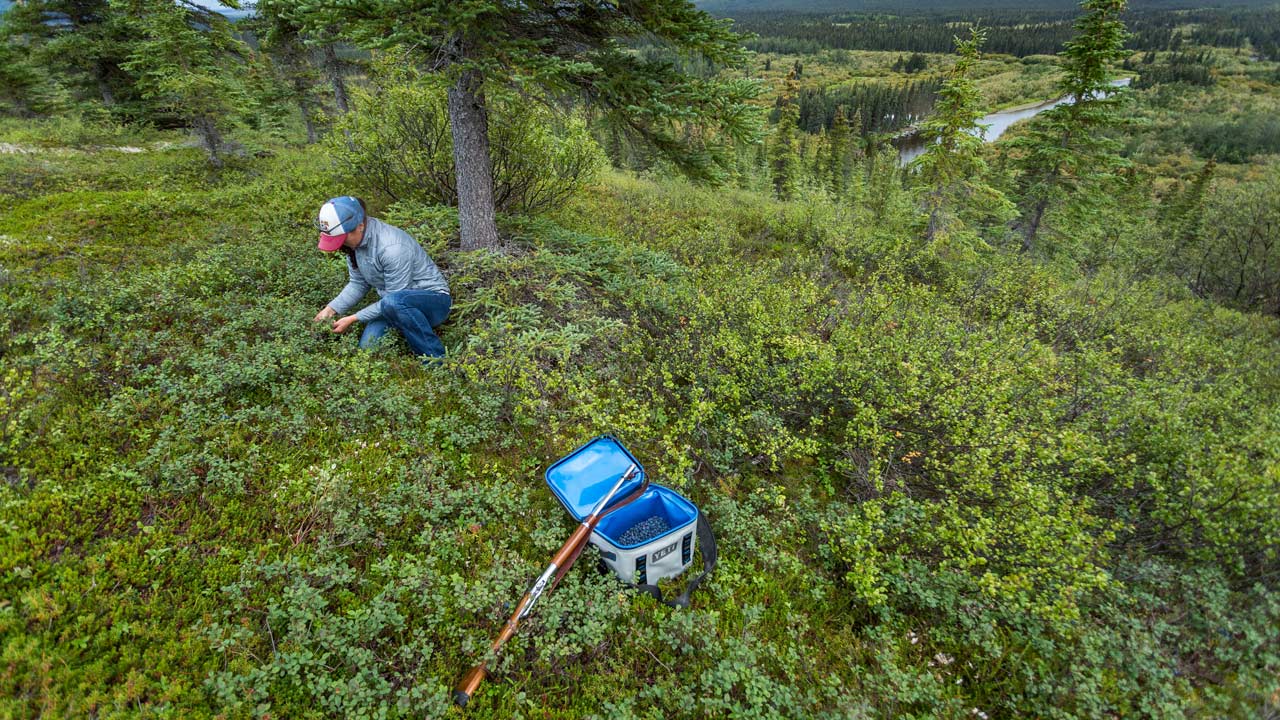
(333, 68)
(104, 88)
(308, 122)
(934, 204)
(210, 138)
(469, 123)
(1033, 225)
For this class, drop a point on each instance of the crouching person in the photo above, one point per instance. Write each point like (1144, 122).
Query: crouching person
(413, 294)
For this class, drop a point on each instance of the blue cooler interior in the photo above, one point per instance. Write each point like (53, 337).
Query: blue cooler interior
(583, 477)
(657, 501)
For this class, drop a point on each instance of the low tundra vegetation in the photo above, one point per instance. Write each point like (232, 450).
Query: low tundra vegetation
(941, 487)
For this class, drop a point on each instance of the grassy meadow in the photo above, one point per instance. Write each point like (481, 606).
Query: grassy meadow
(947, 480)
(935, 486)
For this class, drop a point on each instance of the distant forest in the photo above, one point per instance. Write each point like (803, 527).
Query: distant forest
(733, 8)
(1014, 31)
(876, 107)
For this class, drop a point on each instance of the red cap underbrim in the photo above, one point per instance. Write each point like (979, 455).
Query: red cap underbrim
(329, 243)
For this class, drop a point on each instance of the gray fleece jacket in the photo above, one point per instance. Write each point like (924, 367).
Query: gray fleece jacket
(387, 260)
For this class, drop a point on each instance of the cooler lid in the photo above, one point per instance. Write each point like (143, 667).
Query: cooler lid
(583, 477)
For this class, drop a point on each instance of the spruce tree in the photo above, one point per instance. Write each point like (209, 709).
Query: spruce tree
(1066, 146)
(782, 149)
(297, 61)
(487, 46)
(26, 88)
(857, 126)
(758, 160)
(613, 147)
(267, 98)
(80, 44)
(1182, 221)
(744, 171)
(803, 166)
(182, 61)
(336, 69)
(951, 170)
(306, 59)
(838, 158)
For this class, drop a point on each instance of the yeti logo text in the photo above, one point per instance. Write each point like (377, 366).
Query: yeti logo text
(664, 552)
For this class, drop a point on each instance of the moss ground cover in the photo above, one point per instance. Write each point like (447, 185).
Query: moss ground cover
(941, 488)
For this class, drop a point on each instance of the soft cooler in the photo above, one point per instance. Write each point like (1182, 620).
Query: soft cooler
(646, 541)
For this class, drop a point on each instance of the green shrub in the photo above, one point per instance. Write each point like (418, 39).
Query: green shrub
(396, 142)
(939, 489)
(1235, 141)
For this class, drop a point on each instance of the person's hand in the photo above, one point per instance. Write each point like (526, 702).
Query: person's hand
(324, 314)
(341, 324)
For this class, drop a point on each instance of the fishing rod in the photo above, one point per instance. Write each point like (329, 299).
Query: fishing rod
(547, 581)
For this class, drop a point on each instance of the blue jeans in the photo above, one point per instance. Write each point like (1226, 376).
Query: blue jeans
(413, 313)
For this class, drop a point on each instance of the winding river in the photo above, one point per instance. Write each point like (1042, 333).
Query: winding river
(997, 123)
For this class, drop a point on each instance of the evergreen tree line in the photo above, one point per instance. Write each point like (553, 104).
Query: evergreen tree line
(1191, 68)
(1065, 158)
(1066, 161)
(794, 34)
(1017, 32)
(1259, 29)
(694, 66)
(171, 65)
(1038, 190)
(822, 138)
(834, 141)
(881, 107)
(944, 8)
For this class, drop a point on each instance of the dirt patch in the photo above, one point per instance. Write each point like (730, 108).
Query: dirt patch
(15, 149)
(13, 477)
